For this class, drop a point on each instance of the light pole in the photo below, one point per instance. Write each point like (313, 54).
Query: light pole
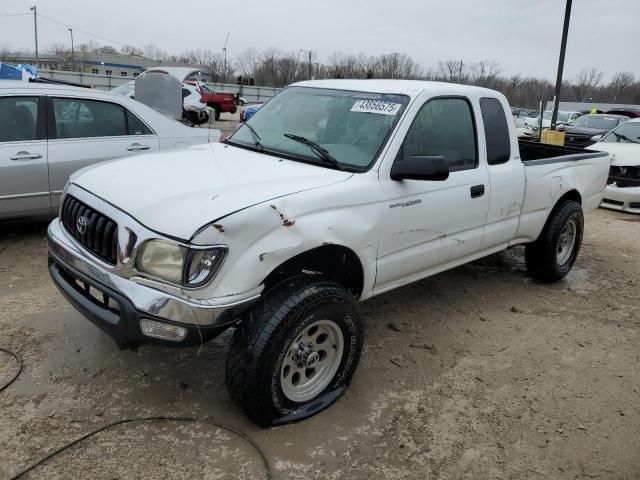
(35, 27)
(563, 48)
(224, 49)
(310, 64)
(73, 55)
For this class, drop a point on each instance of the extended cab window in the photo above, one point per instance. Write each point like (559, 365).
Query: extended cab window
(496, 131)
(18, 119)
(444, 126)
(80, 118)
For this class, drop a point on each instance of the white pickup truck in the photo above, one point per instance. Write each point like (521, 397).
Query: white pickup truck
(334, 191)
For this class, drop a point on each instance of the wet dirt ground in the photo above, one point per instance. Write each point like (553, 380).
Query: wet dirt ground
(475, 373)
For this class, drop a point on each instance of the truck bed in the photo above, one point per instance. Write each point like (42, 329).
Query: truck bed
(550, 172)
(534, 153)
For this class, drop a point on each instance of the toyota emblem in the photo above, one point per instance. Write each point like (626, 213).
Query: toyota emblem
(81, 225)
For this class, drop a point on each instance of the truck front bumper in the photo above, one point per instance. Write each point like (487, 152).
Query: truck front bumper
(117, 305)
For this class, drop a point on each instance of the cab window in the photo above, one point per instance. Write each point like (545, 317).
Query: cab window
(496, 131)
(444, 127)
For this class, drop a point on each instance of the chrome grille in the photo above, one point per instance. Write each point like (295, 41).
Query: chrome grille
(98, 233)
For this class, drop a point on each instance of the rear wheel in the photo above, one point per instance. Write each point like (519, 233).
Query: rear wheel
(553, 254)
(295, 353)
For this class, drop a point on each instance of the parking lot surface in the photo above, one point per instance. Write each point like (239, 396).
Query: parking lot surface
(474, 373)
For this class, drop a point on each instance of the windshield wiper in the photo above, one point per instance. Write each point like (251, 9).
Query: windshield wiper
(619, 136)
(256, 137)
(322, 152)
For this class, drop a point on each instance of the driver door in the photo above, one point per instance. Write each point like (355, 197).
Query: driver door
(430, 224)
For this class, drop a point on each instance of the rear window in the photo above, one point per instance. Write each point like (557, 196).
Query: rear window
(496, 131)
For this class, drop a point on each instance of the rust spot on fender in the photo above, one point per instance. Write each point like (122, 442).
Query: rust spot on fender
(218, 227)
(285, 221)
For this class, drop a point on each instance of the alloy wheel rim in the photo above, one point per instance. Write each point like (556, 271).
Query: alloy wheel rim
(566, 242)
(311, 361)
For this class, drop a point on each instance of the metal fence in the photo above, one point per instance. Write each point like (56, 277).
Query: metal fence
(101, 82)
(252, 94)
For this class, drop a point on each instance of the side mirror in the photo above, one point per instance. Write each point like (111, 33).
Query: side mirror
(433, 167)
(596, 138)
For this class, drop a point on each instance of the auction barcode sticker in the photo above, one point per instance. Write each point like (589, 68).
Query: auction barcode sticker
(376, 106)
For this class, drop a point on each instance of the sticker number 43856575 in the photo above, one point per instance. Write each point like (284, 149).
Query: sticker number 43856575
(376, 106)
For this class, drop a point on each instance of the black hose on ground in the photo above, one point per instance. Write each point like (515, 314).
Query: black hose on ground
(206, 421)
(18, 371)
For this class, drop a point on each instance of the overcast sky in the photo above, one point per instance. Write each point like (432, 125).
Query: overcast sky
(522, 35)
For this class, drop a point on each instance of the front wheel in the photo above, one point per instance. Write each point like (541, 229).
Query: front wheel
(553, 254)
(295, 353)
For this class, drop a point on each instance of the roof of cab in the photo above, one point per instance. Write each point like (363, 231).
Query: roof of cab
(406, 87)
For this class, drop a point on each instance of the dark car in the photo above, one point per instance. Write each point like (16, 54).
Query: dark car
(579, 132)
(630, 112)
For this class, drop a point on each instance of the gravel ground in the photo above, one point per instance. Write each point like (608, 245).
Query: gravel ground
(475, 373)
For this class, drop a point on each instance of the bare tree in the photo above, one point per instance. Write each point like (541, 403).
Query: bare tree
(246, 63)
(130, 50)
(451, 71)
(620, 82)
(154, 52)
(484, 73)
(585, 84)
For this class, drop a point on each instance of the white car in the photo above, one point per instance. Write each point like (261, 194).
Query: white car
(335, 191)
(623, 186)
(195, 112)
(528, 127)
(49, 131)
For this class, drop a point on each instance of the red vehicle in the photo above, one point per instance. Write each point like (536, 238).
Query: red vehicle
(220, 102)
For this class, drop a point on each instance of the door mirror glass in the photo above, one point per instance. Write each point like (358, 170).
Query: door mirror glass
(420, 167)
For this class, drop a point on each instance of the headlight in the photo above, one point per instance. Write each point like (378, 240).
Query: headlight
(162, 260)
(202, 265)
(189, 267)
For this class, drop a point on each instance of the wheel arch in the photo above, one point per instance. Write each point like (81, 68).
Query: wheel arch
(336, 262)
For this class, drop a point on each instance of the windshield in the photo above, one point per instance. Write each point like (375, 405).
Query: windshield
(350, 126)
(595, 121)
(125, 89)
(625, 133)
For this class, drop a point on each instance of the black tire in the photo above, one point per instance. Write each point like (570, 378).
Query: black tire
(186, 120)
(541, 256)
(265, 336)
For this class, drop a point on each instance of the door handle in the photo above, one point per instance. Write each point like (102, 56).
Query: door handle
(477, 191)
(134, 147)
(23, 155)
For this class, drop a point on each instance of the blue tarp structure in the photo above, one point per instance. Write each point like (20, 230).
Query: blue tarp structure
(16, 72)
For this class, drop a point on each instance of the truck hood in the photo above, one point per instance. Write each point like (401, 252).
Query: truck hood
(177, 192)
(622, 154)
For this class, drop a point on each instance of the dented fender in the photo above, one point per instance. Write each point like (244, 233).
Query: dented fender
(262, 237)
